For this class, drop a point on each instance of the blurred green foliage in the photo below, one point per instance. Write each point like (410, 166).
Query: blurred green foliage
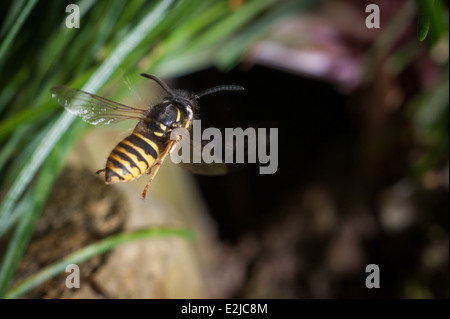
(431, 20)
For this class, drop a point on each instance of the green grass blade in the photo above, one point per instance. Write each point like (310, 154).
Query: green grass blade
(6, 43)
(10, 145)
(31, 206)
(29, 114)
(58, 152)
(92, 250)
(24, 230)
(126, 46)
(11, 16)
(431, 21)
(231, 23)
(230, 54)
(39, 155)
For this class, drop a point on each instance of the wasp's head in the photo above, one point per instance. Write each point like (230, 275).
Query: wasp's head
(185, 101)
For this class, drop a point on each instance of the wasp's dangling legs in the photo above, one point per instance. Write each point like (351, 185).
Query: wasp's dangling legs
(100, 170)
(158, 163)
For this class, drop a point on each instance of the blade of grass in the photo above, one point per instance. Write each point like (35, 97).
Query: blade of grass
(230, 54)
(61, 149)
(11, 16)
(32, 205)
(423, 21)
(6, 43)
(184, 63)
(24, 230)
(177, 41)
(10, 146)
(431, 20)
(29, 114)
(175, 21)
(219, 31)
(103, 29)
(92, 250)
(202, 49)
(21, 155)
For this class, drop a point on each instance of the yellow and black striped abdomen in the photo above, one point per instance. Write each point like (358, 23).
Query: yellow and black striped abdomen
(131, 158)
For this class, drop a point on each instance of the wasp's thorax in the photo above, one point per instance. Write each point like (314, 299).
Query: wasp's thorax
(170, 113)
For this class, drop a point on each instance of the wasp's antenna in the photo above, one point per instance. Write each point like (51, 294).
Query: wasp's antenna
(218, 89)
(159, 81)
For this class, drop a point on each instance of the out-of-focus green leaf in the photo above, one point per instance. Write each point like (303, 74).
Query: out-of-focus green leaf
(431, 21)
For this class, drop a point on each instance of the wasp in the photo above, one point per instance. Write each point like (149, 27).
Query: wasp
(149, 144)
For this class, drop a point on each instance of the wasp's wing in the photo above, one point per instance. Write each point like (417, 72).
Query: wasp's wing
(218, 156)
(215, 167)
(92, 108)
(189, 155)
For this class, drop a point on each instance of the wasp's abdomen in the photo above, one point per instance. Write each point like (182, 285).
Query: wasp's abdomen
(131, 158)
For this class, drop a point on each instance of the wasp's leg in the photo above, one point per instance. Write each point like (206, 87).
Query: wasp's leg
(169, 149)
(100, 170)
(157, 164)
(175, 142)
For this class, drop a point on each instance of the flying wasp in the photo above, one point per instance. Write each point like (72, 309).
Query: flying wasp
(148, 146)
